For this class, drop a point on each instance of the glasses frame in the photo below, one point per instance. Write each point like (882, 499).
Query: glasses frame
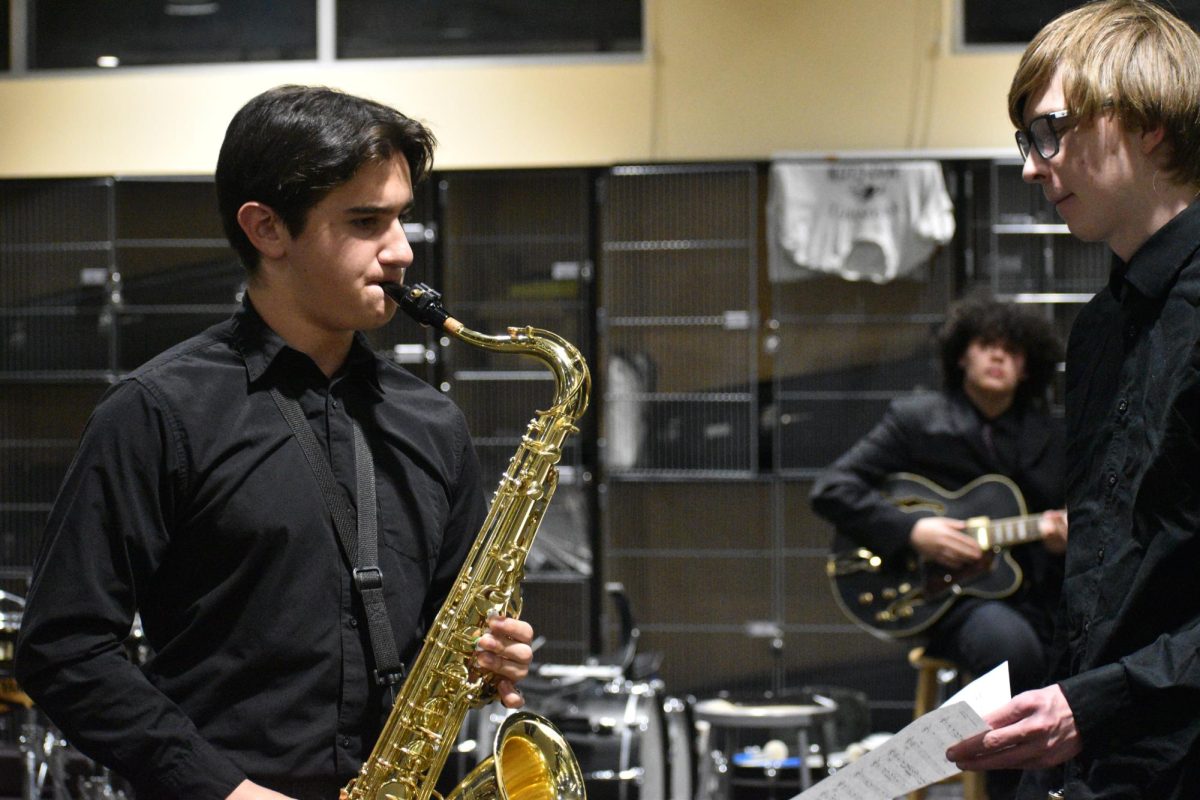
(1027, 142)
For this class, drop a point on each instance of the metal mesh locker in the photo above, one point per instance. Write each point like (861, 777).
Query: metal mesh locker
(516, 251)
(678, 298)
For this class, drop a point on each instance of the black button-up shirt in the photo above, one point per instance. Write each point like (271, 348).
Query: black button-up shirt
(191, 502)
(1129, 625)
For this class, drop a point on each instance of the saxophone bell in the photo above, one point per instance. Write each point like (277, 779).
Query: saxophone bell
(530, 761)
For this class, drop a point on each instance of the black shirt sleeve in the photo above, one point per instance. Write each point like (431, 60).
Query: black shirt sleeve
(106, 535)
(847, 493)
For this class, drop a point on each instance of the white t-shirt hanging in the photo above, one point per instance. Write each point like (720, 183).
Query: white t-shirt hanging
(869, 221)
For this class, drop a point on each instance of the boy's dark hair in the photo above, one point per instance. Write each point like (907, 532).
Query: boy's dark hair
(1017, 328)
(290, 146)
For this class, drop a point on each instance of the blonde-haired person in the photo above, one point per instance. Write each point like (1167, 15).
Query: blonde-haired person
(1106, 101)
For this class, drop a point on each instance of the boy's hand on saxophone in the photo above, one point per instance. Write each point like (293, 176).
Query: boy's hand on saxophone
(248, 790)
(506, 651)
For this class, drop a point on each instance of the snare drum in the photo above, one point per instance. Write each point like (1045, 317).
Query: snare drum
(618, 733)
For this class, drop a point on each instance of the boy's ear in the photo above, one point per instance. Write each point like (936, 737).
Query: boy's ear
(1151, 138)
(264, 229)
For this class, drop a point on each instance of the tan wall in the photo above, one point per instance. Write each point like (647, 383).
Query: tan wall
(721, 79)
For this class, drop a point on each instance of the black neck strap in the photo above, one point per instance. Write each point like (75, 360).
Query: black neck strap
(359, 537)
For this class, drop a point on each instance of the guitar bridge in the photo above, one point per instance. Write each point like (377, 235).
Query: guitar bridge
(903, 606)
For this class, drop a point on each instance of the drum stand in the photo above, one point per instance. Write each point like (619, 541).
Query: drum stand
(43, 753)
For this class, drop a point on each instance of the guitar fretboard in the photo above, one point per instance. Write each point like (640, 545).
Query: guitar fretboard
(1012, 530)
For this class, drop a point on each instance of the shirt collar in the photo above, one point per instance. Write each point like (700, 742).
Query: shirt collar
(1008, 418)
(1154, 266)
(261, 348)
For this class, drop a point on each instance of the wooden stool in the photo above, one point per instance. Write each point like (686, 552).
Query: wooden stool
(932, 676)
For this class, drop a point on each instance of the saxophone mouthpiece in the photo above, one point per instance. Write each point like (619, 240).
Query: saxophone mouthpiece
(422, 303)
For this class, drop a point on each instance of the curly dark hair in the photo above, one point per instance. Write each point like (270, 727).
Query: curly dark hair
(993, 321)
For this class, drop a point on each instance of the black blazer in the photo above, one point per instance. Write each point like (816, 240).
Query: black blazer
(941, 436)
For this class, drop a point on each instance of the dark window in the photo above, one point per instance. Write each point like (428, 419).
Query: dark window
(67, 34)
(1018, 21)
(399, 28)
(5, 33)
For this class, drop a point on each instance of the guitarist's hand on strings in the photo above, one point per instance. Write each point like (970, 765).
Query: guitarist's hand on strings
(1053, 527)
(941, 539)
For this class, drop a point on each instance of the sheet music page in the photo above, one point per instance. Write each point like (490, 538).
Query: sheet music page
(985, 694)
(916, 756)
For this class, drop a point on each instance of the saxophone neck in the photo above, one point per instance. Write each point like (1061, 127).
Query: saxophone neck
(572, 379)
(571, 376)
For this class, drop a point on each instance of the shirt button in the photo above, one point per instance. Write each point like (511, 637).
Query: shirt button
(1112, 479)
(1130, 331)
(1122, 406)
(346, 742)
(335, 403)
(1100, 556)
(353, 623)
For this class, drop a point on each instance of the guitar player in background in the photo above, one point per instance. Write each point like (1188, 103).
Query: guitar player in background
(989, 419)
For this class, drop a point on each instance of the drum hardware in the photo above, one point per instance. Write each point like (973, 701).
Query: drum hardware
(53, 766)
(731, 766)
(769, 772)
(632, 741)
(43, 753)
(566, 674)
(100, 786)
(50, 766)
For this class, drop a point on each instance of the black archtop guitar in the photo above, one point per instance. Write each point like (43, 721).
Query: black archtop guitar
(905, 596)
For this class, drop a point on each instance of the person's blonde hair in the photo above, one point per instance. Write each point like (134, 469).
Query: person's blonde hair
(1132, 56)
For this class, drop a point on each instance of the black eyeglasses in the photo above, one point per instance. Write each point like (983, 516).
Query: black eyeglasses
(1042, 135)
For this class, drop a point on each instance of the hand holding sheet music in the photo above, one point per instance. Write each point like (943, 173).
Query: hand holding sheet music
(916, 756)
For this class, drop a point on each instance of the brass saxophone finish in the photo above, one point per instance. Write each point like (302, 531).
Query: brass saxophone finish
(531, 760)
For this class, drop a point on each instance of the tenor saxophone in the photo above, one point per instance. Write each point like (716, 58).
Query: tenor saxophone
(531, 760)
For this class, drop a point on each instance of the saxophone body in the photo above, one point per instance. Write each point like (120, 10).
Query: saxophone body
(531, 759)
